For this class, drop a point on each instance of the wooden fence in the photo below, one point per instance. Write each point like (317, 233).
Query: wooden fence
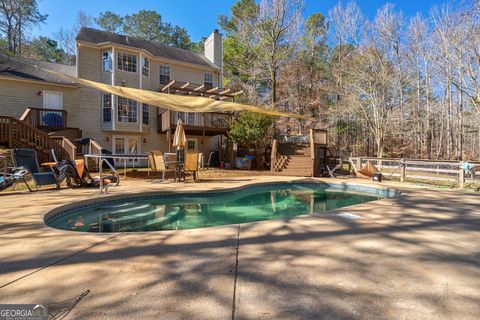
(422, 170)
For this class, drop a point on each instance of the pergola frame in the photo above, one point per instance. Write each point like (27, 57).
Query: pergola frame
(188, 88)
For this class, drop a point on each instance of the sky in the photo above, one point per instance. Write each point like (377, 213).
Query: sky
(199, 17)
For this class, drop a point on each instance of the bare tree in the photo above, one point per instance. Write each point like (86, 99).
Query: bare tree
(276, 34)
(66, 38)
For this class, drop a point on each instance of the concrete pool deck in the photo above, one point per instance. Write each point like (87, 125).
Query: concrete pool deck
(415, 256)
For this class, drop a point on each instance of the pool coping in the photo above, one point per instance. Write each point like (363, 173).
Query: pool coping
(385, 191)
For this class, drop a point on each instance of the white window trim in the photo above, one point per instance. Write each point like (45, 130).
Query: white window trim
(54, 92)
(102, 107)
(130, 54)
(209, 73)
(111, 60)
(196, 143)
(143, 58)
(126, 138)
(169, 71)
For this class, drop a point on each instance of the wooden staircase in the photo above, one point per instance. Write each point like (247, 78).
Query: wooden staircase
(293, 159)
(302, 158)
(15, 133)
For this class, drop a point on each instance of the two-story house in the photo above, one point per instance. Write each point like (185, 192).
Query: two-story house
(116, 123)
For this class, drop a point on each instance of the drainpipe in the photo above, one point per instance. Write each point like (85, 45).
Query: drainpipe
(114, 100)
(140, 107)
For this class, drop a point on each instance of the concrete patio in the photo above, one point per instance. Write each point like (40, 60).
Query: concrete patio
(415, 256)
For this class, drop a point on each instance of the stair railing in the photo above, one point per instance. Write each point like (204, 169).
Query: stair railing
(17, 133)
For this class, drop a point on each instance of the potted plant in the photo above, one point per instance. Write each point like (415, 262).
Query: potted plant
(253, 131)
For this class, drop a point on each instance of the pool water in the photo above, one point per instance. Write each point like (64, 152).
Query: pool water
(190, 211)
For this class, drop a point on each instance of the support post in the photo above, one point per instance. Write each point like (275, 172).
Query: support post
(169, 138)
(461, 176)
(273, 156)
(359, 163)
(340, 168)
(10, 133)
(403, 170)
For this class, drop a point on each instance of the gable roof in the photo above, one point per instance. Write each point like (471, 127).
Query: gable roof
(99, 37)
(25, 69)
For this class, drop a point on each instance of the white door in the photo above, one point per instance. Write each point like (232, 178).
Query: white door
(52, 100)
(192, 144)
(126, 145)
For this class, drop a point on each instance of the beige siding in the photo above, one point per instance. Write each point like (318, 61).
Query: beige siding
(89, 63)
(16, 96)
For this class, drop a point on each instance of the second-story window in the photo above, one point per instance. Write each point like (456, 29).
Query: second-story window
(164, 71)
(145, 114)
(106, 107)
(208, 80)
(127, 110)
(145, 67)
(127, 62)
(107, 60)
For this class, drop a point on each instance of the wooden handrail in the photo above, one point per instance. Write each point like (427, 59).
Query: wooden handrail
(68, 146)
(18, 133)
(94, 147)
(36, 117)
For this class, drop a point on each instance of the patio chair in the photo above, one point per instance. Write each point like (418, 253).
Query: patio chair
(191, 165)
(158, 163)
(11, 177)
(27, 159)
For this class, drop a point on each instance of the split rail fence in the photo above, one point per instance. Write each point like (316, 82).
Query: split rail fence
(432, 171)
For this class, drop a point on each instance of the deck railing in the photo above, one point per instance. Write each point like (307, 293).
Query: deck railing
(16, 133)
(51, 119)
(215, 120)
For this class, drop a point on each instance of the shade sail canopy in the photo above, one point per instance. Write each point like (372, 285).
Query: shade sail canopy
(174, 102)
(179, 138)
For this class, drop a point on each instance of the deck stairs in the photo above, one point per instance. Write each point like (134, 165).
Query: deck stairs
(15, 133)
(293, 159)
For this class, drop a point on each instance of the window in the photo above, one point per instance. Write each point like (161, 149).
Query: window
(208, 80)
(145, 67)
(107, 107)
(127, 62)
(164, 74)
(192, 145)
(126, 144)
(119, 146)
(127, 110)
(107, 60)
(145, 114)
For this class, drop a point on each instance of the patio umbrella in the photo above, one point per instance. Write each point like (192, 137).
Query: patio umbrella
(179, 140)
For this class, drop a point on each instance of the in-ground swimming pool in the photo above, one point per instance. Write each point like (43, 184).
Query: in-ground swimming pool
(198, 210)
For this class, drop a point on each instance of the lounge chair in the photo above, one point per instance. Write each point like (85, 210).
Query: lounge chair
(158, 163)
(27, 159)
(191, 165)
(11, 177)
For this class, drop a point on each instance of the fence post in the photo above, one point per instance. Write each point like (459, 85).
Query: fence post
(359, 163)
(461, 176)
(403, 170)
(340, 160)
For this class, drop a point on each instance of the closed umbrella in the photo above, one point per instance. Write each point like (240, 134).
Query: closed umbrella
(179, 140)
